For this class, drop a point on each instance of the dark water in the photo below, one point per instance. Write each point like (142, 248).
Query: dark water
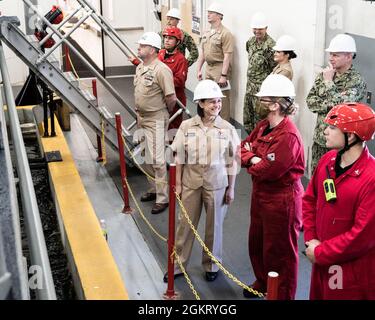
(59, 265)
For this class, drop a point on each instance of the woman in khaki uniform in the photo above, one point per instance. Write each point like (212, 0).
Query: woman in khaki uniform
(284, 52)
(206, 150)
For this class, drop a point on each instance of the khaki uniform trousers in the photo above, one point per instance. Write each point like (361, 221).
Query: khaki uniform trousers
(155, 125)
(193, 200)
(213, 72)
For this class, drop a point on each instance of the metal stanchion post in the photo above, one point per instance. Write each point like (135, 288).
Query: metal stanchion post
(45, 109)
(127, 208)
(98, 137)
(68, 67)
(52, 113)
(272, 285)
(170, 294)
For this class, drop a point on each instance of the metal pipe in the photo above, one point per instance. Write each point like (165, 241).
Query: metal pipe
(13, 250)
(110, 88)
(37, 244)
(103, 42)
(170, 293)
(98, 137)
(272, 285)
(45, 109)
(52, 113)
(125, 190)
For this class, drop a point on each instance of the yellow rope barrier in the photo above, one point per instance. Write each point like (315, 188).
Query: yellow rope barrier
(76, 74)
(221, 267)
(142, 214)
(174, 253)
(213, 258)
(139, 166)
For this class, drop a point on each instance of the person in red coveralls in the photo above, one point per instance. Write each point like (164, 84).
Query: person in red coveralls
(273, 155)
(339, 223)
(177, 62)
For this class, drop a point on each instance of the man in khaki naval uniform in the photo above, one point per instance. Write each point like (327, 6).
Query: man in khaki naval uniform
(217, 50)
(206, 152)
(154, 99)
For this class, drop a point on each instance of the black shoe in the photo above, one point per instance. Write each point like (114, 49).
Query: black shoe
(177, 275)
(251, 295)
(211, 276)
(159, 207)
(148, 197)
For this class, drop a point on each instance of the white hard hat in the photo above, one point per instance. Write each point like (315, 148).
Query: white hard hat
(276, 85)
(342, 43)
(216, 7)
(207, 89)
(285, 43)
(259, 21)
(151, 39)
(174, 13)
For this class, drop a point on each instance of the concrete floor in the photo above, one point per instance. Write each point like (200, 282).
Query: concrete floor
(236, 224)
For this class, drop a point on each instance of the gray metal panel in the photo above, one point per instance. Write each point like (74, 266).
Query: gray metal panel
(365, 64)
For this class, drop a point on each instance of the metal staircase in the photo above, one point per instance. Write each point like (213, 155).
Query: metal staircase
(26, 47)
(30, 50)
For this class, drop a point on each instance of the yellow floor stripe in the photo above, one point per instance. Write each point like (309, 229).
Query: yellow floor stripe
(96, 267)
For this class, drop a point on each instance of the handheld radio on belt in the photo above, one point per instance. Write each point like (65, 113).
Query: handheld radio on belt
(329, 188)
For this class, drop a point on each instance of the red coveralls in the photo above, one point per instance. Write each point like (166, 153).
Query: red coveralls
(345, 227)
(179, 66)
(276, 204)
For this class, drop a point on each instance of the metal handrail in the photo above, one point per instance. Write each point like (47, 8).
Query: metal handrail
(10, 223)
(121, 44)
(37, 244)
(109, 87)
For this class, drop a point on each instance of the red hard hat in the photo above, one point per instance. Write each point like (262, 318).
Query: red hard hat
(353, 117)
(173, 32)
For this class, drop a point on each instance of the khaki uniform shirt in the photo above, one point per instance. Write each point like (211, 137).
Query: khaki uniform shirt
(205, 152)
(284, 69)
(152, 84)
(215, 43)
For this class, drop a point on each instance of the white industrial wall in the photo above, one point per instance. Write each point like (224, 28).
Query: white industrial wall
(359, 17)
(125, 15)
(309, 21)
(304, 20)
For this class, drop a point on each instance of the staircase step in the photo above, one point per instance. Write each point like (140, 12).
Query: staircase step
(89, 96)
(107, 114)
(71, 78)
